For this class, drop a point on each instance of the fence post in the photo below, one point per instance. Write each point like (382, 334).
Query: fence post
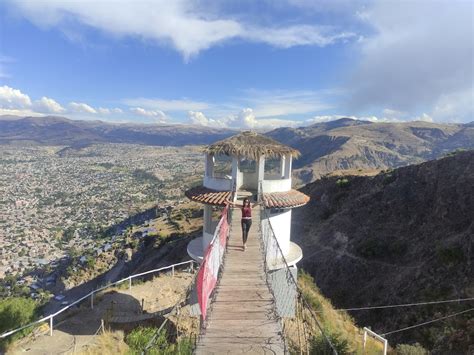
(51, 326)
(129, 283)
(365, 337)
(172, 271)
(92, 300)
(385, 346)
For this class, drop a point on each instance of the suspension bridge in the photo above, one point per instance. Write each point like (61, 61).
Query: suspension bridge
(242, 316)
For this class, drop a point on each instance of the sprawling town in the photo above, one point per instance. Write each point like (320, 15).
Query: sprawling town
(58, 200)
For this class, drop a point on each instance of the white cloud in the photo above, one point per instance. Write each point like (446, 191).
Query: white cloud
(329, 118)
(155, 114)
(188, 26)
(109, 111)
(81, 108)
(275, 103)
(199, 118)
(298, 35)
(167, 105)
(103, 111)
(48, 105)
(246, 118)
(455, 107)
(13, 98)
(421, 52)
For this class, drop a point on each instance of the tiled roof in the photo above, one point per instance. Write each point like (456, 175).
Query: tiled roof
(287, 199)
(208, 196)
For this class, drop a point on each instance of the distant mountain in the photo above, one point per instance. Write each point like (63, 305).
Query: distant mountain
(352, 144)
(343, 144)
(400, 237)
(54, 130)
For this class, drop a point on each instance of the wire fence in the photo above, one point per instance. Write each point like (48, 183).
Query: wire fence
(301, 327)
(300, 324)
(91, 295)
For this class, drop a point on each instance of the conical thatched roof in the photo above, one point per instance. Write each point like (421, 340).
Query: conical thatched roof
(250, 145)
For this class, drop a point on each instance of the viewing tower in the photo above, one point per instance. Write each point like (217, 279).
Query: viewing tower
(254, 166)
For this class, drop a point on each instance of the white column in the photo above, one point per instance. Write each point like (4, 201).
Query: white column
(207, 218)
(209, 165)
(235, 173)
(283, 167)
(288, 163)
(206, 230)
(260, 171)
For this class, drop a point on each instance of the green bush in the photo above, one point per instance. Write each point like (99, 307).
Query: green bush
(343, 182)
(454, 152)
(451, 255)
(15, 312)
(319, 345)
(415, 349)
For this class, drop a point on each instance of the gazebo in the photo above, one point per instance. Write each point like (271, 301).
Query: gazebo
(249, 165)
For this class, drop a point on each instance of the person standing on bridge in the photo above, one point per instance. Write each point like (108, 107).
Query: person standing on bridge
(246, 218)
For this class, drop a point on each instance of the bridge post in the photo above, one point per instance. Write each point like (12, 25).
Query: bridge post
(51, 326)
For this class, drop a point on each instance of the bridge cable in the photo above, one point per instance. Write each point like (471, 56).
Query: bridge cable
(405, 304)
(428, 322)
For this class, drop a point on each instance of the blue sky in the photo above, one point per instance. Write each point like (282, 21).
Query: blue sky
(247, 64)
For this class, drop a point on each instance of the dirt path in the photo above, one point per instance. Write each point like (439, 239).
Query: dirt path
(77, 332)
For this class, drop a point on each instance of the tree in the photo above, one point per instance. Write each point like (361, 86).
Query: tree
(15, 312)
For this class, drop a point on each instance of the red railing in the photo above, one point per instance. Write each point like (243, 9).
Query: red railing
(212, 261)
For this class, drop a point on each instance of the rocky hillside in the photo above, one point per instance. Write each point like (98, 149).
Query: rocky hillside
(347, 144)
(402, 236)
(52, 130)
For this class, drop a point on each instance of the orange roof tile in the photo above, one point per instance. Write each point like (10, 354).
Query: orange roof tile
(287, 199)
(208, 196)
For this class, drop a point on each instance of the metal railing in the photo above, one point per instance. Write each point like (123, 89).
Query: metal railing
(50, 318)
(373, 334)
(299, 329)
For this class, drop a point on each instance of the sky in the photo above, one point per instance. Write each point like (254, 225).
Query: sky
(238, 63)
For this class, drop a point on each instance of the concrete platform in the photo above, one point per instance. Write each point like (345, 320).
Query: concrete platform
(195, 249)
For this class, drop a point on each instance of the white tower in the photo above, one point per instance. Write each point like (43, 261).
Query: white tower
(251, 165)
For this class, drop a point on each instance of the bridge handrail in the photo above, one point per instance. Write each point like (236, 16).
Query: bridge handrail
(287, 267)
(91, 294)
(205, 288)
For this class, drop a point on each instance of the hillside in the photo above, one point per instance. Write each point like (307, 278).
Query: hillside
(402, 236)
(352, 144)
(52, 130)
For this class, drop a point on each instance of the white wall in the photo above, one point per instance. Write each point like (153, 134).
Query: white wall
(279, 185)
(281, 223)
(218, 184)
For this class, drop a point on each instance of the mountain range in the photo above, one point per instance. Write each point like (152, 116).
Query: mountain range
(326, 147)
(348, 144)
(55, 130)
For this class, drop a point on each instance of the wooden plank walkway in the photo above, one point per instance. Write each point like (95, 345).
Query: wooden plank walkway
(242, 319)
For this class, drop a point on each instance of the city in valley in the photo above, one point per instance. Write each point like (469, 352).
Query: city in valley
(55, 201)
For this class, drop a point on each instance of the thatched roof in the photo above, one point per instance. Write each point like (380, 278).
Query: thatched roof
(250, 145)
